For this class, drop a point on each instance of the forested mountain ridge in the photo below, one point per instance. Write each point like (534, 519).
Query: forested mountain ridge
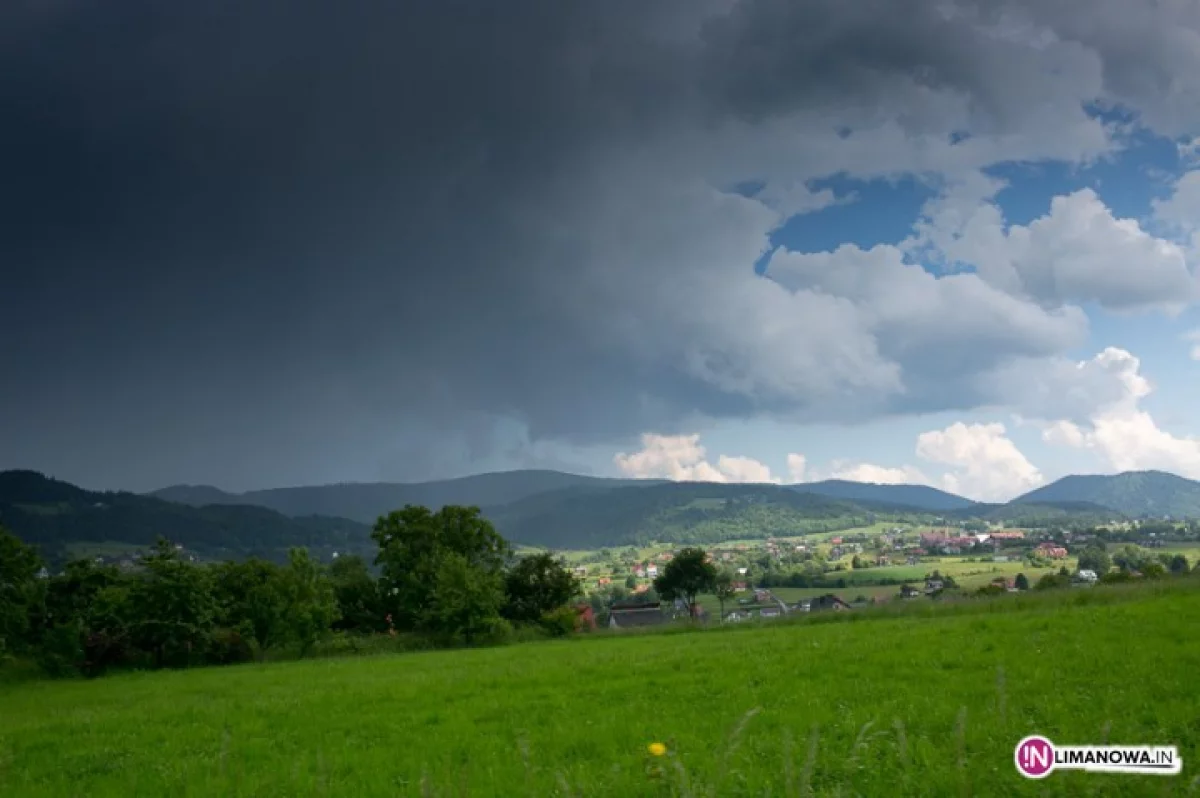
(54, 514)
(1138, 494)
(366, 501)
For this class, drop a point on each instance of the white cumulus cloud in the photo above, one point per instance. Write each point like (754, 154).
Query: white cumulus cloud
(1122, 433)
(986, 464)
(878, 475)
(682, 458)
(1078, 252)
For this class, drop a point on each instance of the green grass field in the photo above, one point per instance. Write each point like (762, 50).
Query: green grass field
(928, 701)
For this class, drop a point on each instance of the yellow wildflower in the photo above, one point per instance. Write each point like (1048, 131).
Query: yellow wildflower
(656, 749)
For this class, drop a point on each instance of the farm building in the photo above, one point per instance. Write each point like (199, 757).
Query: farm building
(628, 616)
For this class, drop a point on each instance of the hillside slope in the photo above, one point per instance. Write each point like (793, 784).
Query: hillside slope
(54, 514)
(365, 502)
(683, 512)
(921, 497)
(1136, 494)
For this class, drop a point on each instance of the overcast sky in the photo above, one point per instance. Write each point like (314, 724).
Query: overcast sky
(264, 243)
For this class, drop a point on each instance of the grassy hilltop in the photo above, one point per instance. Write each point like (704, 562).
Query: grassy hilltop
(930, 701)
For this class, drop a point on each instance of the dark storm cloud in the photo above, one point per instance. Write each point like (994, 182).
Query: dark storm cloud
(254, 243)
(286, 215)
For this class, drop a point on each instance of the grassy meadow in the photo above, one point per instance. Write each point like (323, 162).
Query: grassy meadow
(918, 699)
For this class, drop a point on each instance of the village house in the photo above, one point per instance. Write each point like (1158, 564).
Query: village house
(1086, 577)
(933, 585)
(883, 559)
(652, 571)
(909, 592)
(581, 570)
(1007, 536)
(1052, 551)
(738, 585)
(628, 616)
(827, 602)
(769, 612)
(762, 595)
(639, 572)
(604, 581)
(932, 540)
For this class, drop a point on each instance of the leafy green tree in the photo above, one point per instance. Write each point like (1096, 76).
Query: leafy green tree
(631, 582)
(723, 589)
(360, 607)
(70, 594)
(172, 607)
(21, 592)
(310, 605)
(250, 599)
(466, 599)
(1021, 582)
(1179, 564)
(1129, 557)
(413, 545)
(686, 576)
(536, 585)
(1051, 581)
(1152, 569)
(1095, 558)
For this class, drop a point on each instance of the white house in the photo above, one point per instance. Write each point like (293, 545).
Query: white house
(1086, 577)
(652, 571)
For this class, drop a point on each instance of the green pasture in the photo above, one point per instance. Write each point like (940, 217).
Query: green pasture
(920, 699)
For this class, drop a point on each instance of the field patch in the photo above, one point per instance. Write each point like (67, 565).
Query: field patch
(927, 703)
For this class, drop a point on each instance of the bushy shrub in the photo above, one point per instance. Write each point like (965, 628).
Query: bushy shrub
(61, 653)
(560, 622)
(230, 646)
(103, 650)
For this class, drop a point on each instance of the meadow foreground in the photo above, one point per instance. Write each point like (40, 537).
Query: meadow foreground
(907, 705)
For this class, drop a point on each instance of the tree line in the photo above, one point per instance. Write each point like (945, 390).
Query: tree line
(445, 577)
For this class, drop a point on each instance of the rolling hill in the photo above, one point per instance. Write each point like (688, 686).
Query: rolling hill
(1137, 494)
(549, 508)
(921, 497)
(680, 512)
(55, 514)
(364, 502)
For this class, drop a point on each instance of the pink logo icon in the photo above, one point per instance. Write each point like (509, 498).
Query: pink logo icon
(1034, 757)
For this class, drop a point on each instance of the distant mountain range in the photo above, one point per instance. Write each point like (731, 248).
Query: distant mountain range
(366, 501)
(61, 517)
(550, 508)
